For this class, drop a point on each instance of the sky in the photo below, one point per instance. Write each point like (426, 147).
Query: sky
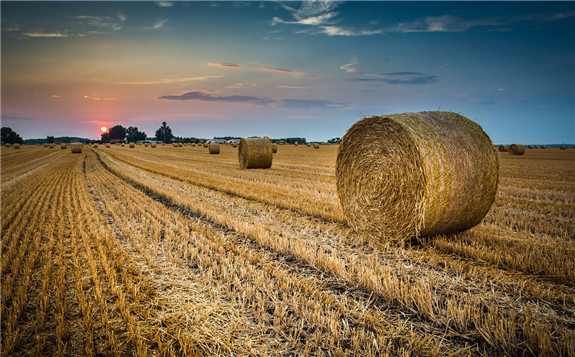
(286, 69)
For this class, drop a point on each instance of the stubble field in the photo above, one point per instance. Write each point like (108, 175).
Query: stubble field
(172, 251)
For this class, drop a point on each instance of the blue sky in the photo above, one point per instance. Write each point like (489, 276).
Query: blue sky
(284, 69)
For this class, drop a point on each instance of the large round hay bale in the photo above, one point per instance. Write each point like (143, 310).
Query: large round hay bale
(516, 149)
(63, 146)
(503, 148)
(255, 153)
(76, 148)
(16, 146)
(408, 175)
(214, 148)
(274, 148)
(132, 145)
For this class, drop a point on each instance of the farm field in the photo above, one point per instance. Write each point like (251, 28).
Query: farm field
(171, 251)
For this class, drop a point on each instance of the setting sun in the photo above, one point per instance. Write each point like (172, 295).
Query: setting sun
(103, 129)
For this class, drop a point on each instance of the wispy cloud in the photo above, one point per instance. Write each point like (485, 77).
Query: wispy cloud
(241, 85)
(350, 67)
(319, 17)
(48, 34)
(261, 68)
(223, 64)
(309, 103)
(168, 80)
(102, 23)
(15, 118)
(98, 97)
(292, 87)
(158, 25)
(164, 3)
(397, 78)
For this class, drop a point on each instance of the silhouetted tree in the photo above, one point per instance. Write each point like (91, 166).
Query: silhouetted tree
(117, 132)
(164, 133)
(10, 136)
(133, 134)
(50, 139)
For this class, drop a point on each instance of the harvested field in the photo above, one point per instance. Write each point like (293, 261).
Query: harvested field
(176, 252)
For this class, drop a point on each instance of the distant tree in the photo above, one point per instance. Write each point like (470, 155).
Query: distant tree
(10, 136)
(334, 141)
(164, 133)
(50, 139)
(117, 132)
(105, 137)
(133, 134)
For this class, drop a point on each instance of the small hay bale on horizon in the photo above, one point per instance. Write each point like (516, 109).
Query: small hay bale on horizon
(255, 153)
(63, 146)
(132, 145)
(563, 147)
(503, 148)
(108, 146)
(274, 148)
(7, 145)
(516, 149)
(214, 148)
(153, 145)
(16, 146)
(441, 175)
(76, 148)
(316, 146)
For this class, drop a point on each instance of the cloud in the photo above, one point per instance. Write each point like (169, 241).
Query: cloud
(48, 34)
(223, 64)
(242, 85)
(168, 80)
(15, 118)
(98, 97)
(350, 67)
(101, 23)
(398, 78)
(205, 97)
(320, 18)
(308, 104)
(292, 87)
(164, 3)
(489, 101)
(158, 25)
(280, 70)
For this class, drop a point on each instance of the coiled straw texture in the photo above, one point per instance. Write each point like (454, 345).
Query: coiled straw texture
(408, 175)
(255, 153)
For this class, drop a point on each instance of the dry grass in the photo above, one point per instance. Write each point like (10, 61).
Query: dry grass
(169, 252)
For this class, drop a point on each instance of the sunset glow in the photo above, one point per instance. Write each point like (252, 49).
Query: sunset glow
(291, 69)
(103, 129)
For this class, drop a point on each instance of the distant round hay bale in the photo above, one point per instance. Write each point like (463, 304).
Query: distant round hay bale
(95, 145)
(274, 148)
(308, 145)
(16, 146)
(7, 145)
(76, 148)
(503, 148)
(193, 145)
(153, 145)
(234, 145)
(255, 153)
(542, 146)
(214, 148)
(175, 145)
(51, 146)
(180, 145)
(132, 145)
(146, 144)
(316, 146)
(63, 146)
(205, 145)
(563, 147)
(408, 175)
(296, 143)
(516, 149)
(123, 144)
(108, 146)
